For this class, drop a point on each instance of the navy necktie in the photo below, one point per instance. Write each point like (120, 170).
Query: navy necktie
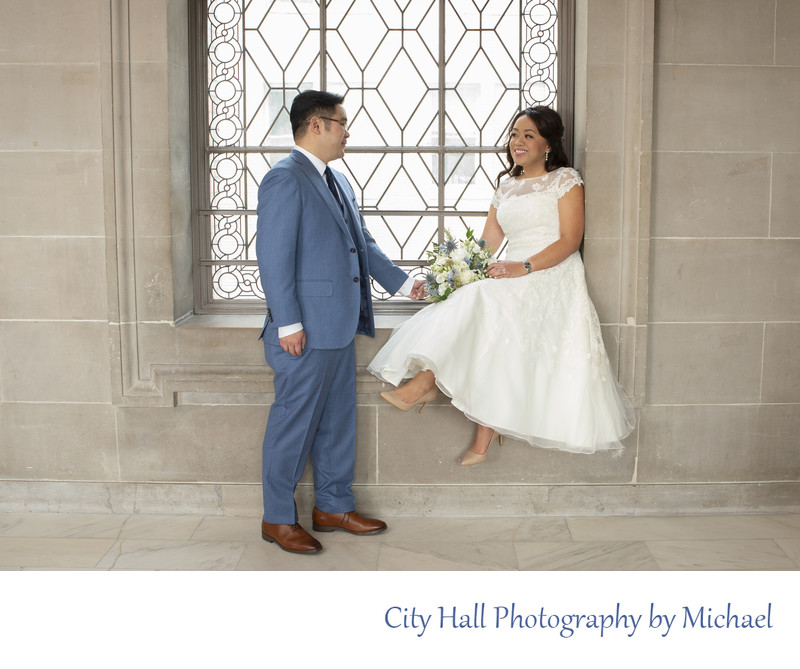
(364, 322)
(332, 186)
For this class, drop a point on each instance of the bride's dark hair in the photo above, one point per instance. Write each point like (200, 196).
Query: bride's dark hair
(551, 127)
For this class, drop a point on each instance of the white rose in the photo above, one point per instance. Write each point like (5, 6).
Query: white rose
(459, 255)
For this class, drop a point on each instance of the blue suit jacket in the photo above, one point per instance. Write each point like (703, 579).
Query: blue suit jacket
(308, 260)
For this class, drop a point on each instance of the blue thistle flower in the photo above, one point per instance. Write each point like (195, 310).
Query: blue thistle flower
(447, 246)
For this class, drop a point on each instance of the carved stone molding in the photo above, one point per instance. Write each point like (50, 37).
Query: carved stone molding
(614, 121)
(145, 133)
(146, 145)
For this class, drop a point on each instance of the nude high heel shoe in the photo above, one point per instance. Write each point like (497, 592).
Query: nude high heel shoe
(393, 398)
(473, 458)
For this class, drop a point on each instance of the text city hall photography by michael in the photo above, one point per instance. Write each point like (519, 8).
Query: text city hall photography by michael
(459, 324)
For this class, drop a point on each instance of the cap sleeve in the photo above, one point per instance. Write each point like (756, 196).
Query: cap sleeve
(496, 198)
(568, 178)
(501, 191)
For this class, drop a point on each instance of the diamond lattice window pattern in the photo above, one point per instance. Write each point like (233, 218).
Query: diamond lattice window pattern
(429, 87)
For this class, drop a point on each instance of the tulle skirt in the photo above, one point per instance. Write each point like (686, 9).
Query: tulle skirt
(523, 356)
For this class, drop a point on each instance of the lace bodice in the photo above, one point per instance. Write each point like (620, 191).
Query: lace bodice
(527, 210)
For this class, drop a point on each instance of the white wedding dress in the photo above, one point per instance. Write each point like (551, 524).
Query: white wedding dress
(523, 355)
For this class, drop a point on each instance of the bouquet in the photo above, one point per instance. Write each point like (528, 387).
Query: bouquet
(455, 264)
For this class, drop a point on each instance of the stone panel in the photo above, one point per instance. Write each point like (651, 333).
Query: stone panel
(54, 361)
(154, 278)
(50, 107)
(43, 31)
(633, 380)
(191, 443)
(719, 443)
(606, 100)
(148, 30)
(426, 448)
(726, 108)
(149, 109)
(724, 280)
(787, 27)
(781, 363)
(700, 109)
(603, 259)
(710, 195)
(51, 193)
(241, 500)
(366, 444)
(53, 278)
(603, 189)
(704, 363)
(58, 441)
(367, 347)
(177, 32)
(728, 32)
(186, 345)
(151, 196)
(182, 282)
(491, 501)
(785, 215)
(605, 19)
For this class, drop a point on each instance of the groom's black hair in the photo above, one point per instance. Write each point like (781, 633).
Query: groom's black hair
(311, 103)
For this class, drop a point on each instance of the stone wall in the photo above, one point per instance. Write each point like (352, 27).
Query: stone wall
(113, 397)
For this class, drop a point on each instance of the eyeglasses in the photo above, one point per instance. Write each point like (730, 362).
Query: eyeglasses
(338, 120)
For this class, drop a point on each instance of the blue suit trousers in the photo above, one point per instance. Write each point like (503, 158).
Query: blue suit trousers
(314, 415)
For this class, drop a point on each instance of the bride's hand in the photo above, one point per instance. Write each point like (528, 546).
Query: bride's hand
(505, 269)
(418, 291)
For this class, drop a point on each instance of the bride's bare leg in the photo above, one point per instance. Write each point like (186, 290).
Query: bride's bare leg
(480, 446)
(483, 437)
(416, 387)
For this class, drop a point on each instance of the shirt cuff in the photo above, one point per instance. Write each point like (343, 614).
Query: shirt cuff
(405, 289)
(287, 330)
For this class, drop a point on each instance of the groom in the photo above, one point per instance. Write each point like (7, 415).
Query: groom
(315, 257)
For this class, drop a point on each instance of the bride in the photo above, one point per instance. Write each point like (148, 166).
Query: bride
(520, 353)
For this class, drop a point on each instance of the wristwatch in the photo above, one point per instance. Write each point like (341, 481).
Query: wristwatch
(527, 265)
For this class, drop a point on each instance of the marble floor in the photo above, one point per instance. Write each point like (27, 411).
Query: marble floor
(198, 543)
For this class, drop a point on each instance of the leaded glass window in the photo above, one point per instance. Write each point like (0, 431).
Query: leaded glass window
(429, 88)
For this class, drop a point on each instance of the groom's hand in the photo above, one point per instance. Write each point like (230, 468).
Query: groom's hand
(418, 291)
(294, 343)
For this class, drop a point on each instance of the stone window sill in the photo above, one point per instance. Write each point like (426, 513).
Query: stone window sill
(256, 321)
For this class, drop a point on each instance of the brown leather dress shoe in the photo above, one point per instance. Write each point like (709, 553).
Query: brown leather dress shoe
(347, 522)
(291, 538)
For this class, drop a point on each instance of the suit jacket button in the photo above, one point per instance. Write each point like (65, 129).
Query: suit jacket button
(352, 250)
(355, 280)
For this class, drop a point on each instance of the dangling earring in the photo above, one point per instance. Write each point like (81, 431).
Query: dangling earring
(546, 156)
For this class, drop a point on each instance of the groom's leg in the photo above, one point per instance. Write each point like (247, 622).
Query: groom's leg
(301, 386)
(333, 452)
